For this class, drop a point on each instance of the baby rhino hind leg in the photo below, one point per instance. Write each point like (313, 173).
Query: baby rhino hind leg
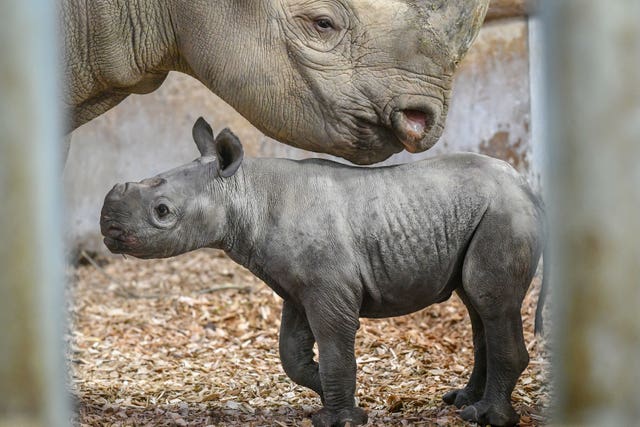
(497, 271)
(474, 389)
(296, 349)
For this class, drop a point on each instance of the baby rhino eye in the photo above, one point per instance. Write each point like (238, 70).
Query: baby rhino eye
(162, 210)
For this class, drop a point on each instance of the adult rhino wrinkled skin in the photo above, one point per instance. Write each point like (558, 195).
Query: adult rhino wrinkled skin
(359, 79)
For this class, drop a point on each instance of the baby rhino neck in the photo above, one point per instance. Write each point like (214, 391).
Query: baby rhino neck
(257, 199)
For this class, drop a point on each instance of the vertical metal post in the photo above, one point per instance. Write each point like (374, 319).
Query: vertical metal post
(593, 77)
(537, 101)
(31, 252)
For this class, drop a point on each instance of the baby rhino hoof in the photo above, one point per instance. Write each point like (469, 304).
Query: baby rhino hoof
(483, 414)
(342, 418)
(459, 398)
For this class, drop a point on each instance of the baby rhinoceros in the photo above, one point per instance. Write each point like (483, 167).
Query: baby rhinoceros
(338, 243)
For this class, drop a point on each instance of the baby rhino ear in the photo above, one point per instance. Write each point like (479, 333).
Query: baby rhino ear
(229, 152)
(203, 136)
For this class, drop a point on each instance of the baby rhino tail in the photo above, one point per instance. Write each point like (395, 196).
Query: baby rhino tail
(546, 265)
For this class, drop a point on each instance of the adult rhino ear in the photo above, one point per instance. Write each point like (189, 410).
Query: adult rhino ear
(229, 152)
(203, 136)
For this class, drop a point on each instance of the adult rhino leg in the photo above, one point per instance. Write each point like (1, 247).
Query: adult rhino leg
(334, 325)
(296, 349)
(474, 389)
(496, 274)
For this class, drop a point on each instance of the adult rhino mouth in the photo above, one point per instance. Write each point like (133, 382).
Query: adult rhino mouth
(414, 119)
(412, 128)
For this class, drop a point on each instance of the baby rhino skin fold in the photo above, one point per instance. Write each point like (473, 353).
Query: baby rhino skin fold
(340, 242)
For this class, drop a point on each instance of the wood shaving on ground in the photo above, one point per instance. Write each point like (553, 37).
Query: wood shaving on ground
(193, 341)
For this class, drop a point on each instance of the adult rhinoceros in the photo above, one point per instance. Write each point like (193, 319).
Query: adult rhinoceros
(360, 79)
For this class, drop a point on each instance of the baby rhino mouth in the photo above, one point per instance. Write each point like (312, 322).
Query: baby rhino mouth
(412, 128)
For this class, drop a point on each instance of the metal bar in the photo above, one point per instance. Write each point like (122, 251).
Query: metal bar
(593, 77)
(31, 253)
(537, 92)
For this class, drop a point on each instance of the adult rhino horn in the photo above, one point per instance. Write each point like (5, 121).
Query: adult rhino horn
(450, 26)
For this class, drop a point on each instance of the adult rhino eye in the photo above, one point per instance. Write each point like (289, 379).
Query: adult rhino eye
(323, 24)
(162, 210)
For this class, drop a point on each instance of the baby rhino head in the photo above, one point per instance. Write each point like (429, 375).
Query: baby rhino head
(179, 210)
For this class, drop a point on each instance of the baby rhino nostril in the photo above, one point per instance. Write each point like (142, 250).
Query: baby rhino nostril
(114, 232)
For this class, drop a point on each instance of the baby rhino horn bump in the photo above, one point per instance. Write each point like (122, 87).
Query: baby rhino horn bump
(229, 153)
(203, 136)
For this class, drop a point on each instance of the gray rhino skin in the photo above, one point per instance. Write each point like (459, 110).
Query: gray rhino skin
(360, 79)
(339, 242)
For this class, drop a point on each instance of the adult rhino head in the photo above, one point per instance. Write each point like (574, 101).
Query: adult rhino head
(360, 79)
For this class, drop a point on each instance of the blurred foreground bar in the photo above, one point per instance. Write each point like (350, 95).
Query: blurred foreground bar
(31, 261)
(593, 75)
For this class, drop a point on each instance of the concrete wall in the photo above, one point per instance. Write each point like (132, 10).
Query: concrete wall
(147, 134)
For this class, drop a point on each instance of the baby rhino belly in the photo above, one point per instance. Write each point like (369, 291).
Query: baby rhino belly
(407, 292)
(412, 259)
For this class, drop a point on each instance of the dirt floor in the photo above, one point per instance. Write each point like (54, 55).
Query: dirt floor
(192, 341)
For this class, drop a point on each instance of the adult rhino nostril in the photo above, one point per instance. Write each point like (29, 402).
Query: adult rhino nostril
(411, 127)
(417, 121)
